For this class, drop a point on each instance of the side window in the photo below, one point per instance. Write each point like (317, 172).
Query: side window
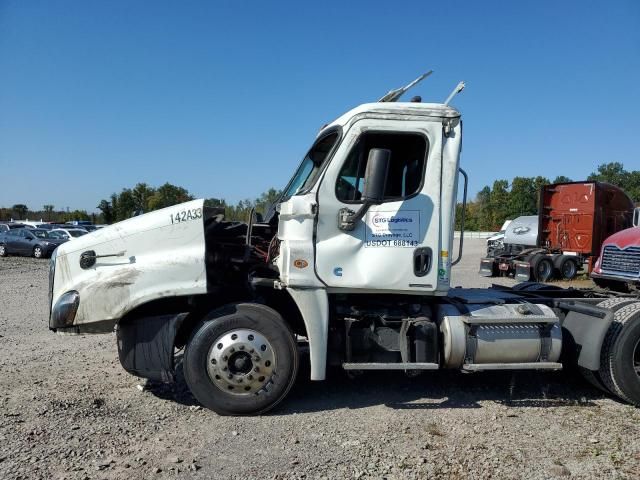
(408, 157)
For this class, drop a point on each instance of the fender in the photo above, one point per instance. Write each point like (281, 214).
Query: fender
(584, 329)
(145, 346)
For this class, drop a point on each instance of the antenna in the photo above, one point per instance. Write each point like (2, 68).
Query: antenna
(394, 95)
(456, 91)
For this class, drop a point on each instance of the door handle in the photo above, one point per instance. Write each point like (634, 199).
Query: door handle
(422, 261)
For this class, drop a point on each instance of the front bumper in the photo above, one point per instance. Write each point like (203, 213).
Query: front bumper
(617, 278)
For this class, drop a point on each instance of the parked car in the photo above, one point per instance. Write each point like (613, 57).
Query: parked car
(68, 233)
(6, 226)
(30, 242)
(49, 226)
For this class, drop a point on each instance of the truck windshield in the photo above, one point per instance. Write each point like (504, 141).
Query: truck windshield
(311, 166)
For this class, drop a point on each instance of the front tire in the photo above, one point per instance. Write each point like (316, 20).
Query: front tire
(3, 251)
(241, 360)
(37, 252)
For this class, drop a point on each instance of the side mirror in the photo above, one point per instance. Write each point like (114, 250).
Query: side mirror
(375, 176)
(375, 181)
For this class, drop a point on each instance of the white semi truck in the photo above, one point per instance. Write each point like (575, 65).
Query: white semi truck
(355, 259)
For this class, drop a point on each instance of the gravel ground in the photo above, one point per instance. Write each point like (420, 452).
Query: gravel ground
(69, 411)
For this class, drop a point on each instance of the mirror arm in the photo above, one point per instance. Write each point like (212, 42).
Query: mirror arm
(347, 218)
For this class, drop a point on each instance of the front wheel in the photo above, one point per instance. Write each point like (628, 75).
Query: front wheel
(3, 251)
(241, 360)
(37, 252)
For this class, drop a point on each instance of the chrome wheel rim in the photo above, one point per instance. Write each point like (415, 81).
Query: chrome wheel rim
(37, 252)
(2, 250)
(241, 362)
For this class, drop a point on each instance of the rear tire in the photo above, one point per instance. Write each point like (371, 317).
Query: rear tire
(568, 269)
(593, 377)
(543, 269)
(241, 360)
(620, 355)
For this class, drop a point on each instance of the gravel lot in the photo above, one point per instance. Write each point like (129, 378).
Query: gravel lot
(69, 411)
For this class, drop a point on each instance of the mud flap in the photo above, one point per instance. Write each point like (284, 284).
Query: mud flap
(487, 267)
(145, 346)
(523, 271)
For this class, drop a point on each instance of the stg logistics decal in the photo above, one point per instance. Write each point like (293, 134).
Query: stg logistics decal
(392, 229)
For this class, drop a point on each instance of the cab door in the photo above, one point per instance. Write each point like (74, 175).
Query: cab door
(395, 245)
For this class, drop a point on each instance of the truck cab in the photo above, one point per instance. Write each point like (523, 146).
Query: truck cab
(353, 264)
(618, 267)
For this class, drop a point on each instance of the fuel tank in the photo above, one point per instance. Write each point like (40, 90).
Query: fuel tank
(499, 334)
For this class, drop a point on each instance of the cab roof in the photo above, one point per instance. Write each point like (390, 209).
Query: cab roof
(413, 109)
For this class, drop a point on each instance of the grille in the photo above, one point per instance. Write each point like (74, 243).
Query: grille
(618, 261)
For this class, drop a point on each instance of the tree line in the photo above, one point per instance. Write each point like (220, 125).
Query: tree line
(503, 200)
(490, 208)
(141, 198)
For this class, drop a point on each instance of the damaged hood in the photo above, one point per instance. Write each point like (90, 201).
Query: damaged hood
(122, 266)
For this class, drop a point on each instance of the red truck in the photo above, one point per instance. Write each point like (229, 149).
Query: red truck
(618, 267)
(573, 221)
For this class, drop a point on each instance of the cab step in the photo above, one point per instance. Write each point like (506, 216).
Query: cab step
(479, 367)
(390, 366)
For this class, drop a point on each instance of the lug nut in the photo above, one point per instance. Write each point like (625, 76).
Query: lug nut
(229, 376)
(213, 361)
(241, 347)
(257, 369)
(224, 369)
(225, 358)
(256, 358)
(249, 377)
(232, 349)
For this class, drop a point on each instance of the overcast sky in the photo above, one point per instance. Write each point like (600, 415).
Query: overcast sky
(224, 98)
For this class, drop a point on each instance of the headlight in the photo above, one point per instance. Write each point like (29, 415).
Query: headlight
(64, 313)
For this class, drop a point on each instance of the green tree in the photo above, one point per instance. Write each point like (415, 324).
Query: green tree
(106, 210)
(499, 201)
(485, 213)
(20, 210)
(126, 205)
(141, 196)
(615, 174)
(215, 202)
(523, 197)
(48, 210)
(562, 179)
(266, 200)
(168, 195)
